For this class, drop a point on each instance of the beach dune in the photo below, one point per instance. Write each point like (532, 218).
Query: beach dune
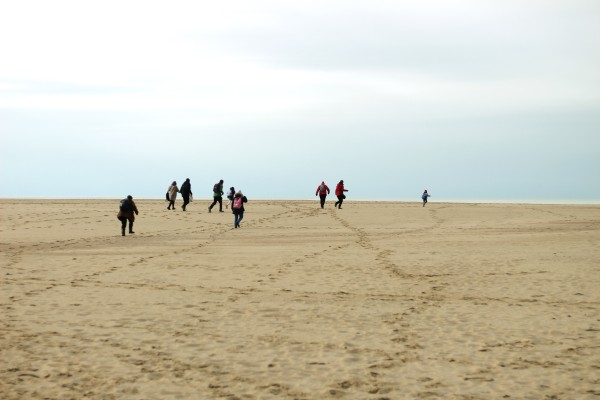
(379, 300)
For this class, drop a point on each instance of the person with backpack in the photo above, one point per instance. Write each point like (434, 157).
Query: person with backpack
(230, 196)
(186, 193)
(339, 192)
(172, 191)
(127, 208)
(238, 208)
(322, 192)
(217, 196)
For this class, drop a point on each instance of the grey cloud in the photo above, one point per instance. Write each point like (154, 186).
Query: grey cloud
(474, 47)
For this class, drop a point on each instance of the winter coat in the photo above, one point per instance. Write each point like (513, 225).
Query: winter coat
(237, 211)
(231, 194)
(173, 190)
(128, 214)
(220, 192)
(339, 189)
(186, 189)
(323, 189)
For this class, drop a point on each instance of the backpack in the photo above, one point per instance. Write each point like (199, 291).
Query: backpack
(217, 188)
(125, 205)
(238, 203)
(322, 189)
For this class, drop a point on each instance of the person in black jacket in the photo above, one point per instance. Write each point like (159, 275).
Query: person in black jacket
(127, 208)
(238, 208)
(186, 193)
(230, 196)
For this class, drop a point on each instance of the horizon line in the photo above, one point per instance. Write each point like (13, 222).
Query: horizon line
(561, 201)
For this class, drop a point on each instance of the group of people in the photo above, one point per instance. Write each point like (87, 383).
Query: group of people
(323, 191)
(235, 199)
(128, 209)
(186, 193)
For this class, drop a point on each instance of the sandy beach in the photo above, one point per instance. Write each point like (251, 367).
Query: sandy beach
(378, 300)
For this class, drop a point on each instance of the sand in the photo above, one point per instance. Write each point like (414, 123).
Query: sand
(374, 301)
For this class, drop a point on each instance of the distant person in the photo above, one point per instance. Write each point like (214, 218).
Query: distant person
(238, 208)
(339, 192)
(230, 196)
(322, 192)
(127, 208)
(424, 197)
(172, 191)
(186, 193)
(217, 196)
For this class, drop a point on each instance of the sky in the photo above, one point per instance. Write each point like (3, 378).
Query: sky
(470, 99)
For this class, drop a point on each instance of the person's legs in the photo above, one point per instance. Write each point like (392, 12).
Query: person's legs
(186, 201)
(123, 225)
(131, 226)
(340, 201)
(240, 218)
(171, 204)
(220, 200)
(235, 220)
(213, 204)
(323, 197)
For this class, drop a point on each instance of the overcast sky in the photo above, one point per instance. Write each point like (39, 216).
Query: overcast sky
(469, 99)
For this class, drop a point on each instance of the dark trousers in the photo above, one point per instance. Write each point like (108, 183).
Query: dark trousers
(340, 201)
(186, 201)
(323, 197)
(217, 200)
(237, 218)
(171, 204)
(124, 224)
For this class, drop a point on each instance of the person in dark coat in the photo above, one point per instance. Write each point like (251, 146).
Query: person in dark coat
(186, 193)
(127, 209)
(217, 196)
(230, 196)
(238, 208)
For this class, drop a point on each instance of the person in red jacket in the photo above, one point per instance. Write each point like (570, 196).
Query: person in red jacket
(339, 192)
(322, 192)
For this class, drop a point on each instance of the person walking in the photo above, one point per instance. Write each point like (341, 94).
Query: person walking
(322, 192)
(424, 197)
(172, 190)
(186, 193)
(339, 192)
(127, 208)
(230, 196)
(217, 196)
(238, 208)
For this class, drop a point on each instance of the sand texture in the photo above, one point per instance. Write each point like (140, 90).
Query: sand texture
(374, 301)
